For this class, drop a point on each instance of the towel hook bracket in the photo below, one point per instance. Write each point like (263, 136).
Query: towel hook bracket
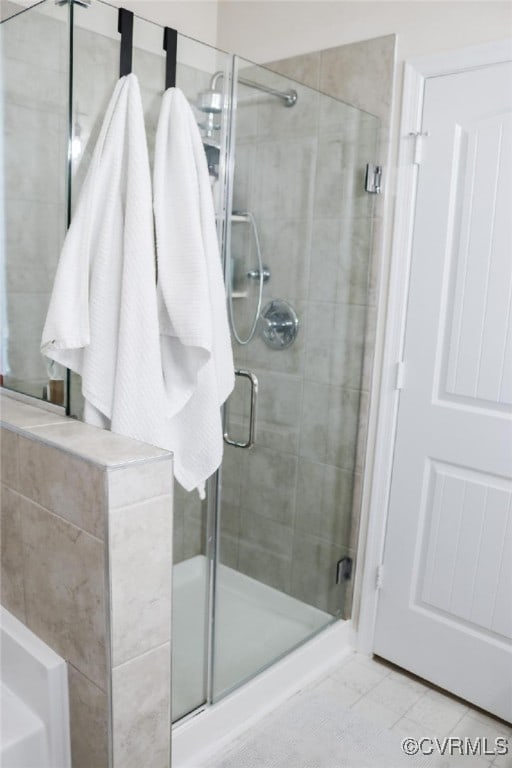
(171, 48)
(125, 27)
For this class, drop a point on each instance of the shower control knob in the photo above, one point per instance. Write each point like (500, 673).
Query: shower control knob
(279, 324)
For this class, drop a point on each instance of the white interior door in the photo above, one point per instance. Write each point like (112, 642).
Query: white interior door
(445, 606)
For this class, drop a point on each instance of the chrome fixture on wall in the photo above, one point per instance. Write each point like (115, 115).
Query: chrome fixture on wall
(212, 152)
(279, 324)
(254, 274)
(210, 101)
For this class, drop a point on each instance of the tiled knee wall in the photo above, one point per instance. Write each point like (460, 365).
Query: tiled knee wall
(86, 565)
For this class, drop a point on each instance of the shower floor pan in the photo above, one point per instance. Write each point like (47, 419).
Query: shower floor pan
(254, 625)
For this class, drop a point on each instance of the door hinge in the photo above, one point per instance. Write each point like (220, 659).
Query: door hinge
(344, 569)
(418, 137)
(400, 375)
(378, 576)
(373, 180)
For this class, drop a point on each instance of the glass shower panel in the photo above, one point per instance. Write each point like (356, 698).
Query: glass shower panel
(95, 56)
(33, 155)
(96, 69)
(286, 515)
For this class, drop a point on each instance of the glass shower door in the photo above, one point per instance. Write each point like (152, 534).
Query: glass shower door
(300, 232)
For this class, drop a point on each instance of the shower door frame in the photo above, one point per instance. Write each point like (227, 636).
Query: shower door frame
(214, 483)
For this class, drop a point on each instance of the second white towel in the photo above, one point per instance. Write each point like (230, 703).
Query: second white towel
(195, 342)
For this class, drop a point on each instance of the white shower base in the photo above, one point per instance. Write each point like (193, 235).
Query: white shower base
(255, 624)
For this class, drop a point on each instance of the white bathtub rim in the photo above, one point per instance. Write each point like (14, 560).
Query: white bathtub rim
(37, 675)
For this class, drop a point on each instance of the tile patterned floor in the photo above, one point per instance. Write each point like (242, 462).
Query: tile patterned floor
(394, 703)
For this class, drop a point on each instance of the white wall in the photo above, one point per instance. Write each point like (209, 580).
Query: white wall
(195, 18)
(270, 30)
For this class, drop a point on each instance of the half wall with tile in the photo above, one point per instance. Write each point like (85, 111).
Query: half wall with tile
(86, 565)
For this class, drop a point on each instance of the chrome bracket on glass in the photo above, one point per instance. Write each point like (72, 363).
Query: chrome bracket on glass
(252, 416)
(373, 180)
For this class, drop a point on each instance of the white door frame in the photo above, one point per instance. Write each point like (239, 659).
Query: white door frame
(385, 395)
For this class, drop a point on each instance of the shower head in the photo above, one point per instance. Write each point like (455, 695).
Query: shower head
(210, 101)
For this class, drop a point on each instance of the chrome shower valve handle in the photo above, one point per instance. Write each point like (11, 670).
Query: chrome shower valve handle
(279, 324)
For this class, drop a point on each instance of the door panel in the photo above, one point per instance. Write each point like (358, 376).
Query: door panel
(464, 557)
(477, 354)
(445, 609)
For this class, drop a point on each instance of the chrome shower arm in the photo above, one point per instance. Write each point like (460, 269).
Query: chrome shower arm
(288, 97)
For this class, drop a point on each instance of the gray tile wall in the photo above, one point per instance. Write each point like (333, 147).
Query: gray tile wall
(34, 95)
(86, 565)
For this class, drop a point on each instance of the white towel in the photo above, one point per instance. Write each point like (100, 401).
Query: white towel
(102, 320)
(196, 348)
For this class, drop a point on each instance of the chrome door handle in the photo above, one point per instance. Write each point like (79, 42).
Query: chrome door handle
(252, 416)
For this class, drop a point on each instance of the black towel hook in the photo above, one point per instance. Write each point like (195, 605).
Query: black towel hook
(171, 48)
(125, 27)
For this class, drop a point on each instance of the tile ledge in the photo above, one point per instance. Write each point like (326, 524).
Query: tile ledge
(34, 402)
(58, 433)
(24, 413)
(37, 434)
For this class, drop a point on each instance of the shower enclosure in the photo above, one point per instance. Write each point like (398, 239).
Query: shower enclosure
(265, 563)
